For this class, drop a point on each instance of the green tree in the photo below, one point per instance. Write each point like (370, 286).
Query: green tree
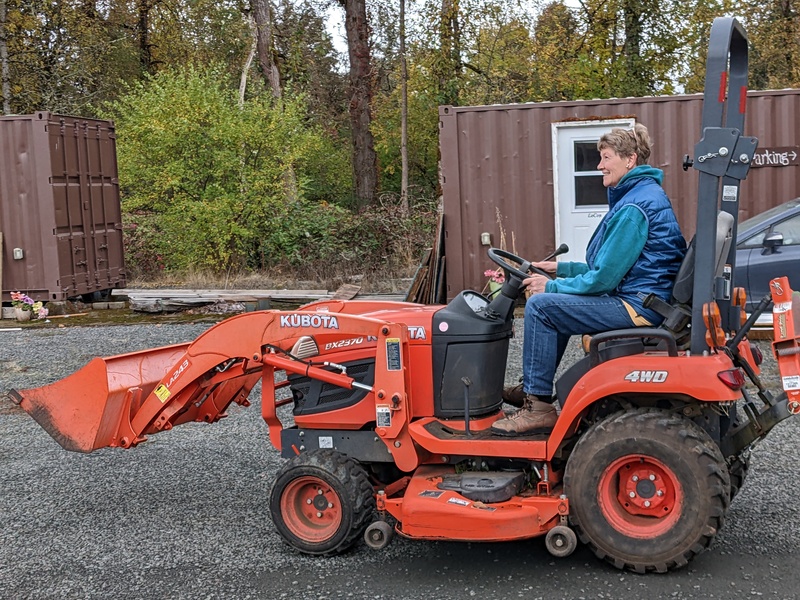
(635, 48)
(212, 172)
(774, 31)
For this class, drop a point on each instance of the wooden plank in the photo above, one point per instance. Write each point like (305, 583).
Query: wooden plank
(440, 297)
(347, 291)
(160, 292)
(436, 261)
(416, 285)
(419, 277)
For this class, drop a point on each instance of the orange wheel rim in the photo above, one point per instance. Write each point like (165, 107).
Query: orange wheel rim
(640, 496)
(311, 509)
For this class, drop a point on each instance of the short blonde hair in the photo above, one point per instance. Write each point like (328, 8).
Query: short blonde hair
(627, 142)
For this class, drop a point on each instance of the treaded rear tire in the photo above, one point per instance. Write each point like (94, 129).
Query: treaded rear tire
(738, 470)
(651, 456)
(321, 502)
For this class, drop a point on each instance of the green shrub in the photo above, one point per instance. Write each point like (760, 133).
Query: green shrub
(213, 175)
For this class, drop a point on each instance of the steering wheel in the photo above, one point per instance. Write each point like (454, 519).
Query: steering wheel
(525, 267)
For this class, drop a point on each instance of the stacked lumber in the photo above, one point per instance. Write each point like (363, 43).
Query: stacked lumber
(428, 285)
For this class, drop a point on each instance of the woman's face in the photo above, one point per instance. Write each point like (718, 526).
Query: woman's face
(614, 166)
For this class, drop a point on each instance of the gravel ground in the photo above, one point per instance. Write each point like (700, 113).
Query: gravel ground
(185, 514)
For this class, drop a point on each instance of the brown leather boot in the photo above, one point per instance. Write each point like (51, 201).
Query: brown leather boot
(514, 395)
(535, 416)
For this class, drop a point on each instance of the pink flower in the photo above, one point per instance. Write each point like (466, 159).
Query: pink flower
(495, 275)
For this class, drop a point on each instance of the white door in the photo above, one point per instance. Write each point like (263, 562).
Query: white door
(580, 198)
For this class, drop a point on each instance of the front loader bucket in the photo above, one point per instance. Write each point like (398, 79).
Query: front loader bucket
(83, 412)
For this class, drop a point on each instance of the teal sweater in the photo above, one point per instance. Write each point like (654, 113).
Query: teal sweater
(622, 244)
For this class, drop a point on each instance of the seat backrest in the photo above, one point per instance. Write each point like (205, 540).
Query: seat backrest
(684, 280)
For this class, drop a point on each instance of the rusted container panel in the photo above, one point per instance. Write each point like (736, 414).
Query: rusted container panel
(498, 160)
(59, 206)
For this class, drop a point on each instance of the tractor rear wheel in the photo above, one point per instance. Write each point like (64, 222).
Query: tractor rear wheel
(648, 490)
(739, 469)
(321, 502)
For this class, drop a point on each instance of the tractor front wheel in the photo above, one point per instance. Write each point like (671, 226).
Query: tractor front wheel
(648, 490)
(321, 502)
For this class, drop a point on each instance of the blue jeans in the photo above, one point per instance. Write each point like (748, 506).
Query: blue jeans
(550, 320)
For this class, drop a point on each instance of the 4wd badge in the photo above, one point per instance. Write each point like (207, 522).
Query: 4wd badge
(647, 376)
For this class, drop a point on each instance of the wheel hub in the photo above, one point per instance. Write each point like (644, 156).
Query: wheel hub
(639, 495)
(311, 509)
(643, 489)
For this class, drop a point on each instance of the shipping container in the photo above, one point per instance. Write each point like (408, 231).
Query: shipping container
(60, 214)
(529, 170)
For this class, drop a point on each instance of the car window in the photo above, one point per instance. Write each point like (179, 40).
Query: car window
(756, 220)
(755, 241)
(790, 228)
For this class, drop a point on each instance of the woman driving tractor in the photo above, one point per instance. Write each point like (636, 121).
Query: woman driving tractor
(636, 250)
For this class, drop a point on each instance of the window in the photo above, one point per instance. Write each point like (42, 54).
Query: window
(589, 189)
(790, 229)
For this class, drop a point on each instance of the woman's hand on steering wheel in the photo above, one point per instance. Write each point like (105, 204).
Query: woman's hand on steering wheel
(546, 266)
(535, 284)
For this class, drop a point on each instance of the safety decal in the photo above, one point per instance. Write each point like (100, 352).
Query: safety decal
(326, 441)
(430, 493)
(642, 376)
(791, 382)
(781, 307)
(729, 193)
(393, 362)
(383, 415)
(458, 501)
(162, 393)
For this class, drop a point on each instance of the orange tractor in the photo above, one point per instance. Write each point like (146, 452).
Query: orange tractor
(384, 409)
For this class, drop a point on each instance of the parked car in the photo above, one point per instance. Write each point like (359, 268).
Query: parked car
(768, 246)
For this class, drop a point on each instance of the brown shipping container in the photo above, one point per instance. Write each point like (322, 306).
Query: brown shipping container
(59, 207)
(499, 160)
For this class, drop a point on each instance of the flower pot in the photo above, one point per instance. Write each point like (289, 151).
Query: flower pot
(22, 315)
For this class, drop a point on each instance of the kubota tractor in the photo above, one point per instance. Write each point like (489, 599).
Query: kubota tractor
(392, 402)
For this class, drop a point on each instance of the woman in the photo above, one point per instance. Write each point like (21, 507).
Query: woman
(636, 250)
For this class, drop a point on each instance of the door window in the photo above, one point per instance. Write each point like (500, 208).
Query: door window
(589, 189)
(790, 228)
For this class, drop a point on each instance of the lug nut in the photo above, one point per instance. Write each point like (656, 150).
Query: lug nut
(652, 477)
(633, 495)
(647, 503)
(319, 514)
(635, 478)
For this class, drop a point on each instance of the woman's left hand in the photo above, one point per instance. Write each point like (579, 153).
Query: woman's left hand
(535, 284)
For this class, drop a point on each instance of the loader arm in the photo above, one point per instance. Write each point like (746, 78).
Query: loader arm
(117, 401)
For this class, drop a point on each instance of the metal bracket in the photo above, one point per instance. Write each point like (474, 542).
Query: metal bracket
(742, 157)
(715, 149)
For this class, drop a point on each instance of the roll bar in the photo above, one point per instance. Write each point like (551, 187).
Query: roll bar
(723, 155)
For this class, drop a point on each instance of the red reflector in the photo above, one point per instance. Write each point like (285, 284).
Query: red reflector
(758, 357)
(733, 378)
